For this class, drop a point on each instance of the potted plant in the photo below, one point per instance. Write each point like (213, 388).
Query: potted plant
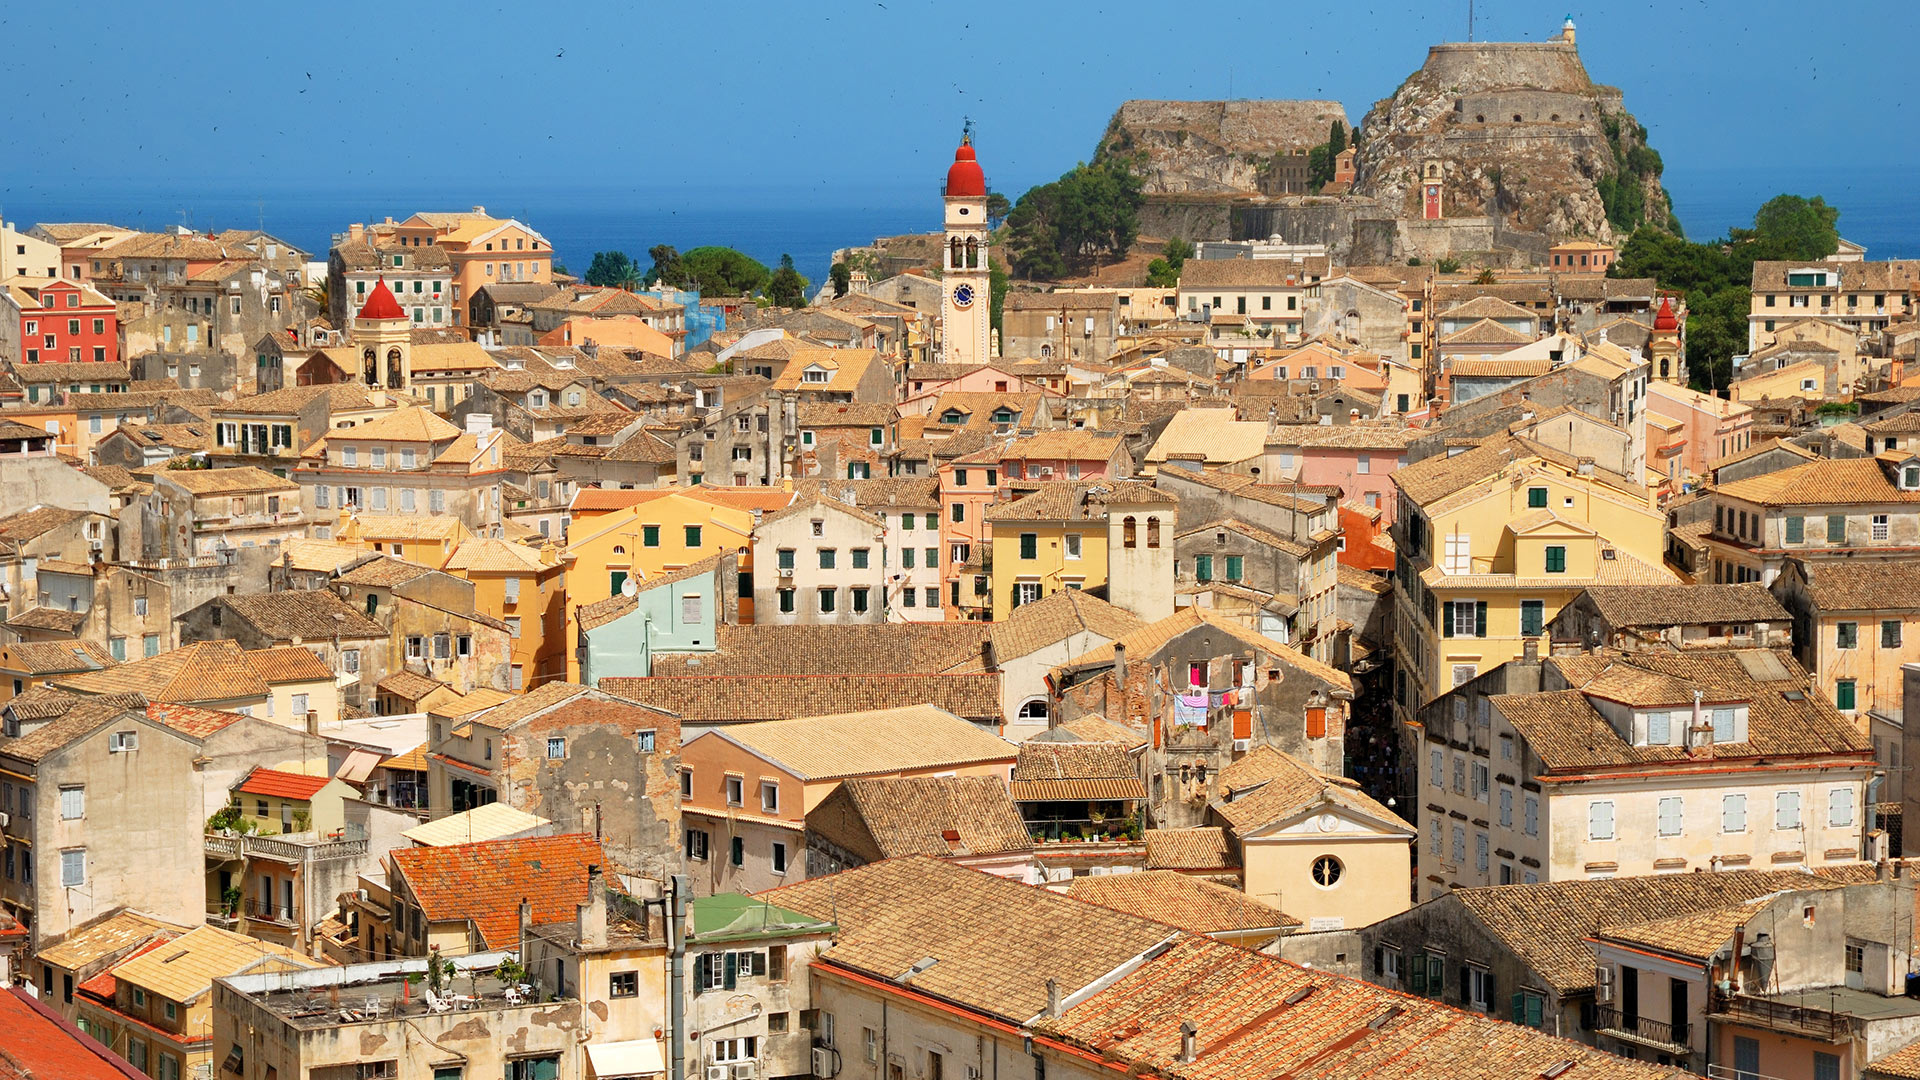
(230, 900)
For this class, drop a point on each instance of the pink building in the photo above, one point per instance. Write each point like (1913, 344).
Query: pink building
(1711, 428)
(924, 385)
(1359, 459)
(1066, 454)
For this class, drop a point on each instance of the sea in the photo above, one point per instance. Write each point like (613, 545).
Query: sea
(1877, 210)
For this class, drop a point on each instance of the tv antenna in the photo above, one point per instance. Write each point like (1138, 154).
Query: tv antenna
(1469, 20)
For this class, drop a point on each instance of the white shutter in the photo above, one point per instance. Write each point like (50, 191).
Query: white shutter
(1600, 820)
(1733, 813)
(1670, 815)
(1786, 810)
(1840, 807)
(1659, 730)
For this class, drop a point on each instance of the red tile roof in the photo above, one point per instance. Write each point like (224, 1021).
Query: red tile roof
(614, 499)
(485, 882)
(283, 785)
(41, 1044)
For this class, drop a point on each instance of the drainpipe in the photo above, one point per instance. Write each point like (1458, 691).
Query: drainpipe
(680, 886)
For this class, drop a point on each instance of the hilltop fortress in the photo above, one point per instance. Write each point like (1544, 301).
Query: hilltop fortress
(1490, 152)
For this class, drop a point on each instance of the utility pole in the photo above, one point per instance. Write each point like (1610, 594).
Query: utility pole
(679, 886)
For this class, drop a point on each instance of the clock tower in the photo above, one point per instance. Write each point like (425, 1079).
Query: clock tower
(965, 330)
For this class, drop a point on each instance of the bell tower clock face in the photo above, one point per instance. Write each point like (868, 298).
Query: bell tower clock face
(963, 296)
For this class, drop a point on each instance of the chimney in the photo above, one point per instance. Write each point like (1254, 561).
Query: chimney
(526, 918)
(1530, 651)
(1120, 665)
(1189, 1041)
(313, 721)
(479, 209)
(591, 930)
(479, 423)
(355, 231)
(1053, 997)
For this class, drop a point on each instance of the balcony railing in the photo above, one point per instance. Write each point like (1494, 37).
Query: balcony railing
(268, 911)
(1610, 1020)
(1782, 1016)
(289, 849)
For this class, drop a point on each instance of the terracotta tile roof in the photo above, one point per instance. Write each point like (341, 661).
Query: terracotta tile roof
(382, 571)
(1903, 1063)
(1259, 535)
(1069, 617)
(183, 970)
(1251, 273)
(888, 817)
(1213, 434)
(601, 612)
(1176, 899)
(233, 481)
(1431, 479)
(1569, 735)
(191, 720)
(1076, 771)
(484, 883)
(36, 522)
(414, 760)
(1246, 487)
(284, 785)
(820, 504)
(1390, 437)
(413, 424)
(1844, 585)
(1489, 307)
(1546, 925)
(1146, 641)
(871, 743)
(1100, 729)
(116, 933)
(1687, 605)
(821, 414)
(319, 556)
(1696, 936)
(1499, 368)
(409, 685)
(1267, 785)
(201, 671)
(996, 942)
(489, 821)
(1258, 1015)
(41, 618)
(308, 614)
(1078, 500)
(724, 699)
(1202, 848)
(878, 495)
(879, 649)
(41, 1043)
(53, 657)
(288, 663)
(1826, 482)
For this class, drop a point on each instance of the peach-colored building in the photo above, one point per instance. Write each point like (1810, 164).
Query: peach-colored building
(618, 331)
(968, 486)
(484, 250)
(1580, 257)
(1712, 428)
(1359, 459)
(922, 394)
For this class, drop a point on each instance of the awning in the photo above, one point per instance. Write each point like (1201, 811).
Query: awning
(638, 1057)
(358, 765)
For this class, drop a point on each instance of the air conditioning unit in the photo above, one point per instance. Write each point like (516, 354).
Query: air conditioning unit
(717, 1072)
(1240, 746)
(1603, 985)
(5, 818)
(822, 1062)
(743, 1071)
(786, 571)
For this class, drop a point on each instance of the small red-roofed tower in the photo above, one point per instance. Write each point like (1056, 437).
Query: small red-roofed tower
(384, 336)
(965, 327)
(1664, 354)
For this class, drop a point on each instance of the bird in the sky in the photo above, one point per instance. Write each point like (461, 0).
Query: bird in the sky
(560, 54)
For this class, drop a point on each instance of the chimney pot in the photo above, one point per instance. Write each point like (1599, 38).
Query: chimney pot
(1053, 997)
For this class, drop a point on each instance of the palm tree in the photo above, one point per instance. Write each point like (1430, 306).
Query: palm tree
(321, 295)
(630, 277)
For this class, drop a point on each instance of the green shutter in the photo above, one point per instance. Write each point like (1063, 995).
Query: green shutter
(1417, 974)
(1519, 1008)
(1536, 1011)
(1536, 498)
(1532, 616)
(1796, 530)
(1446, 619)
(1436, 976)
(1029, 545)
(1203, 567)
(614, 581)
(1480, 619)
(1843, 694)
(1556, 559)
(650, 535)
(1235, 566)
(1836, 528)
(731, 973)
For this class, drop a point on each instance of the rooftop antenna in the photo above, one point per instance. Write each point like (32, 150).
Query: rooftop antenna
(1469, 20)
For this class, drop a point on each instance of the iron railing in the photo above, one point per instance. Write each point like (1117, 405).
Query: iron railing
(1609, 1018)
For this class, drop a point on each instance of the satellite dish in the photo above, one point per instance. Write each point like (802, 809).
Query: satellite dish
(629, 588)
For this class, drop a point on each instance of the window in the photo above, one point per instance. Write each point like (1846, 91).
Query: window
(686, 783)
(827, 558)
(860, 558)
(1733, 813)
(1843, 695)
(736, 791)
(1846, 635)
(1725, 725)
(73, 803)
(1072, 545)
(1203, 568)
(1786, 810)
(119, 742)
(1890, 633)
(1029, 545)
(623, 984)
(556, 747)
(1556, 559)
(1327, 871)
(828, 600)
(1600, 819)
(742, 1049)
(785, 597)
(73, 868)
(859, 597)
(1796, 530)
(1438, 768)
(1659, 729)
(546, 1067)
(1836, 528)
(779, 858)
(1532, 617)
(1840, 807)
(1532, 809)
(693, 536)
(1464, 618)
(1670, 815)
(1879, 526)
(737, 851)
(696, 847)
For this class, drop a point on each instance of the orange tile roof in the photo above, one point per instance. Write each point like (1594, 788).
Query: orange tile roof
(288, 663)
(484, 883)
(283, 785)
(613, 499)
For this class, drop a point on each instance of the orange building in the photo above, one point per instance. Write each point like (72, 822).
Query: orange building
(483, 250)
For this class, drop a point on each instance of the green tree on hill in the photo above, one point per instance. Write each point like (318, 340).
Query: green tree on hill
(722, 271)
(610, 269)
(786, 288)
(1070, 225)
(841, 277)
(1164, 272)
(1716, 277)
(1336, 139)
(667, 269)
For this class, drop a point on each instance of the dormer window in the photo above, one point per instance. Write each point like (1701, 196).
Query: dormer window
(953, 416)
(816, 375)
(538, 399)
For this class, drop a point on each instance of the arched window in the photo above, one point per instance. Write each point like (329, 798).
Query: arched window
(395, 378)
(954, 256)
(1033, 709)
(1153, 532)
(1663, 367)
(973, 253)
(372, 364)
(1126, 532)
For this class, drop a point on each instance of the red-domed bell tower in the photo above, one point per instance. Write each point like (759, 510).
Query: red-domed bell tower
(965, 326)
(1664, 353)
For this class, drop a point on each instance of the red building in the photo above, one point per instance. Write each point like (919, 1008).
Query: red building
(65, 322)
(1363, 540)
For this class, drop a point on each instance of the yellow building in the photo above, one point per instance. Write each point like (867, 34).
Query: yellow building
(155, 1009)
(1493, 542)
(614, 536)
(526, 587)
(278, 802)
(1051, 540)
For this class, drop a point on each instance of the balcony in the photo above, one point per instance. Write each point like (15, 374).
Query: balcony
(268, 911)
(1609, 1020)
(291, 848)
(1829, 1025)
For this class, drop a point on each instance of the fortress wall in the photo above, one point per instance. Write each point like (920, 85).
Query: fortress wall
(1474, 67)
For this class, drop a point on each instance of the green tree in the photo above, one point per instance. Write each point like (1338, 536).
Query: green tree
(1178, 251)
(609, 269)
(1319, 167)
(997, 282)
(668, 271)
(1162, 275)
(1336, 139)
(1795, 228)
(841, 277)
(1070, 225)
(786, 288)
(997, 208)
(722, 271)
(1447, 266)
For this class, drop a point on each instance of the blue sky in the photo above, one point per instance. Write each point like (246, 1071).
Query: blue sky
(856, 100)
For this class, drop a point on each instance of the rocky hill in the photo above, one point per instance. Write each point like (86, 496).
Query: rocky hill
(1215, 147)
(1520, 132)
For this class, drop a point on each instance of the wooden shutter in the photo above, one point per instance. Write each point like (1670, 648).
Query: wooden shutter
(1446, 619)
(1480, 619)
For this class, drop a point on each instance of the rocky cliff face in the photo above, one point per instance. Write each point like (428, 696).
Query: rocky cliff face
(1518, 130)
(1215, 147)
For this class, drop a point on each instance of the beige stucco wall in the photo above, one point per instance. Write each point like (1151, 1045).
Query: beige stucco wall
(1375, 882)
